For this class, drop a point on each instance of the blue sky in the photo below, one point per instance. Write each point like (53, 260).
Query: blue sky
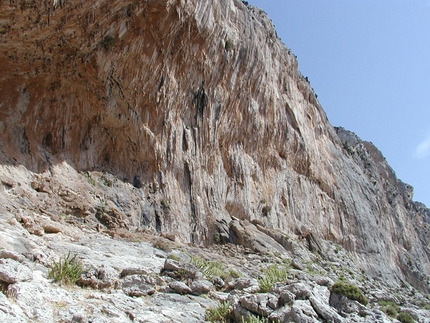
(369, 63)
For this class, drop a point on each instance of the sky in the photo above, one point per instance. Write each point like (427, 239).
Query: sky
(369, 63)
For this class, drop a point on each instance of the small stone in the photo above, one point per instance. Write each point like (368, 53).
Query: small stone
(243, 283)
(171, 265)
(133, 271)
(180, 287)
(324, 281)
(297, 264)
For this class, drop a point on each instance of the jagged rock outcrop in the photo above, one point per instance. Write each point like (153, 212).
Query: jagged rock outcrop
(202, 109)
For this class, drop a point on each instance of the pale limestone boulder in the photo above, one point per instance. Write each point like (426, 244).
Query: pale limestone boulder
(12, 271)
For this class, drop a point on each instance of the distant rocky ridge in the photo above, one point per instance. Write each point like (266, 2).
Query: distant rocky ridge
(190, 120)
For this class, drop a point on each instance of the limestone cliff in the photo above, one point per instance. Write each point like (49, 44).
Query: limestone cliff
(202, 109)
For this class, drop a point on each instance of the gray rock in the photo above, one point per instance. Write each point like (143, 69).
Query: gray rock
(260, 304)
(284, 295)
(103, 277)
(324, 281)
(344, 305)
(133, 271)
(138, 285)
(9, 312)
(201, 286)
(180, 287)
(172, 265)
(12, 255)
(31, 298)
(12, 271)
(218, 282)
(297, 264)
(302, 312)
(243, 283)
(302, 291)
(325, 311)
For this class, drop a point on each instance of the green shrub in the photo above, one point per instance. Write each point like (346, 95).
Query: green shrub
(390, 310)
(272, 275)
(228, 45)
(219, 313)
(66, 271)
(389, 307)
(217, 237)
(108, 42)
(405, 318)
(350, 291)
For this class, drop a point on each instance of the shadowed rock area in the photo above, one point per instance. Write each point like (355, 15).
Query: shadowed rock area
(189, 121)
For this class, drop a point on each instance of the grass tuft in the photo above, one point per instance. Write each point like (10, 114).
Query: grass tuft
(67, 271)
(212, 269)
(219, 313)
(405, 318)
(272, 275)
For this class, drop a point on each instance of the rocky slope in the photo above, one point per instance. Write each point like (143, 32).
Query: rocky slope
(201, 108)
(143, 277)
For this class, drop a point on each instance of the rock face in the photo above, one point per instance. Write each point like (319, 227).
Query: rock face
(189, 118)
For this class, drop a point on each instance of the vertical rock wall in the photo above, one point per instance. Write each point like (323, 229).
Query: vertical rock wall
(203, 109)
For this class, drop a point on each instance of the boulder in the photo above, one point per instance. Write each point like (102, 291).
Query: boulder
(260, 304)
(201, 286)
(285, 297)
(99, 278)
(138, 285)
(301, 290)
(12, 271)
(180, 287)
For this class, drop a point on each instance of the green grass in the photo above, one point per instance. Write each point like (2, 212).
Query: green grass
(350, 291)
(66, 271)
(405, 318)
(272, 275)
(173, 257)
(219, 313)
(89, 179)
(256, 319)
(212, 269)
(389, 307)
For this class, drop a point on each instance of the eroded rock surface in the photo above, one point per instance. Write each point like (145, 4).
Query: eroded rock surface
(126, 120)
